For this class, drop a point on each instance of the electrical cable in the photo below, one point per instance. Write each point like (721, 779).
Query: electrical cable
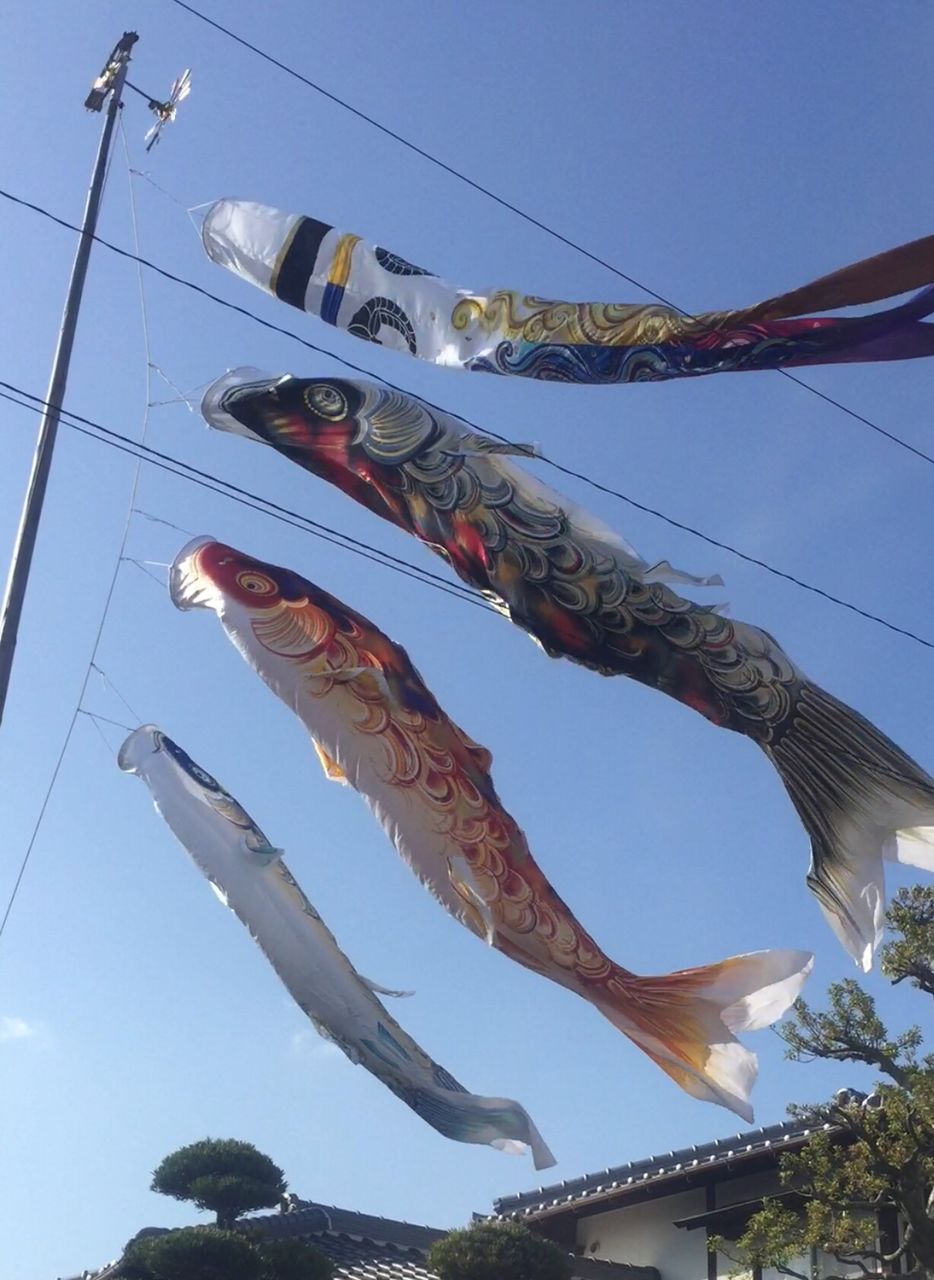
(528, 217)
(108, 599)
(246, 498)
(558, 466)
(166, 462)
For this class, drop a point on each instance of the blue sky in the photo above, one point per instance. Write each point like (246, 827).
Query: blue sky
(718, 156)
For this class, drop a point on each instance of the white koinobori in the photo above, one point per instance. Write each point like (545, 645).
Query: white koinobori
(378, 296)
(249, 876)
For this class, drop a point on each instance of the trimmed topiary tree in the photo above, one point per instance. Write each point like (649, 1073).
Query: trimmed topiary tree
(498, 1251)
(192, 1253)
(223, 1176)
(209, 1253)
(293, 1260)
(228, 1178)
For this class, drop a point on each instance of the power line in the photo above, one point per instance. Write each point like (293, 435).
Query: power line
(425, 155)
(265, 506)
(153, 457)
(527, 217)
(283, 514)
(208, 480)
(143, 453)
(124, 444)
(189, 284)
(558, 466)
(112, 586)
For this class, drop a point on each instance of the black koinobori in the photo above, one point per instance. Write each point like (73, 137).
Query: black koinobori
(583, 593)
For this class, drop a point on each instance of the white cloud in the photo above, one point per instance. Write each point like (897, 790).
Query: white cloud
(308, 1044)
(12, 1028)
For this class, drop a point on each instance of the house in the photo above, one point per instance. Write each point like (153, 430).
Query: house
(650, 1219)
(365, 1247)
(361, 1246)
(658, 1214)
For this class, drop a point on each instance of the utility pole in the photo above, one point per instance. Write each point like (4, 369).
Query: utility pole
(108, 84)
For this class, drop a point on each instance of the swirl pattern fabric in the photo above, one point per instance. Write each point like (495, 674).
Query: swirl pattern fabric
(584, 594)
(376, 726)
(379, 296)
(251, 879)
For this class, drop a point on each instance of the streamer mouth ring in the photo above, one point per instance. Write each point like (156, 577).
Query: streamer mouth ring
(216, 400)
(141, 742)
(188, 589)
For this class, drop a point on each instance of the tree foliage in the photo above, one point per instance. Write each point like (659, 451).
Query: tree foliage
(209, 1253)
(911, 954)
(293, 1260)
(227, 1177)
(497, 1251)
(192, 1253)
(223, 1176)
(869, 1153)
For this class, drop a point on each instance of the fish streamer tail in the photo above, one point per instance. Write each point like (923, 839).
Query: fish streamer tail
(862, 800)
(900, 270)
(686, 1021)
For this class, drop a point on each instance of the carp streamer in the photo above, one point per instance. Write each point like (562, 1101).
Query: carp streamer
(380, 297)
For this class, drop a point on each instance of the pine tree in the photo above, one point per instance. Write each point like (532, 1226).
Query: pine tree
(878, 1153)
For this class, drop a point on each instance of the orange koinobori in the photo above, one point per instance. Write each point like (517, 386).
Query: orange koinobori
(376, 726)
(583, 593)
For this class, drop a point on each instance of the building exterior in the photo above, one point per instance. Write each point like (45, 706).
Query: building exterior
(659, 1214)
(361, 1246)
(650, 1219)
(365, 1247)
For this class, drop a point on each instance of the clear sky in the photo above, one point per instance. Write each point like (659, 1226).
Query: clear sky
(718, 152)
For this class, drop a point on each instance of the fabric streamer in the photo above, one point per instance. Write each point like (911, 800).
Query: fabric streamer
(584, 594)
(249, 877)
(380, 297)
(376, 726)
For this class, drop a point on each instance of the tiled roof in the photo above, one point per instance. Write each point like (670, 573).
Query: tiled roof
(310, 1218)
(373, 1257)
(358, 1258)
(102, 1273)
(678, 1164)
(361, 1246)
(364, 1247)
(602, 1269)
(368, 1260)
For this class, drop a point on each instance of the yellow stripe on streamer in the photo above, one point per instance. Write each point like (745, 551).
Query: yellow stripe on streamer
(339, 271)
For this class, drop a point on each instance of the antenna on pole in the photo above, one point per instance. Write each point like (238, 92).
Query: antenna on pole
(109, 84)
